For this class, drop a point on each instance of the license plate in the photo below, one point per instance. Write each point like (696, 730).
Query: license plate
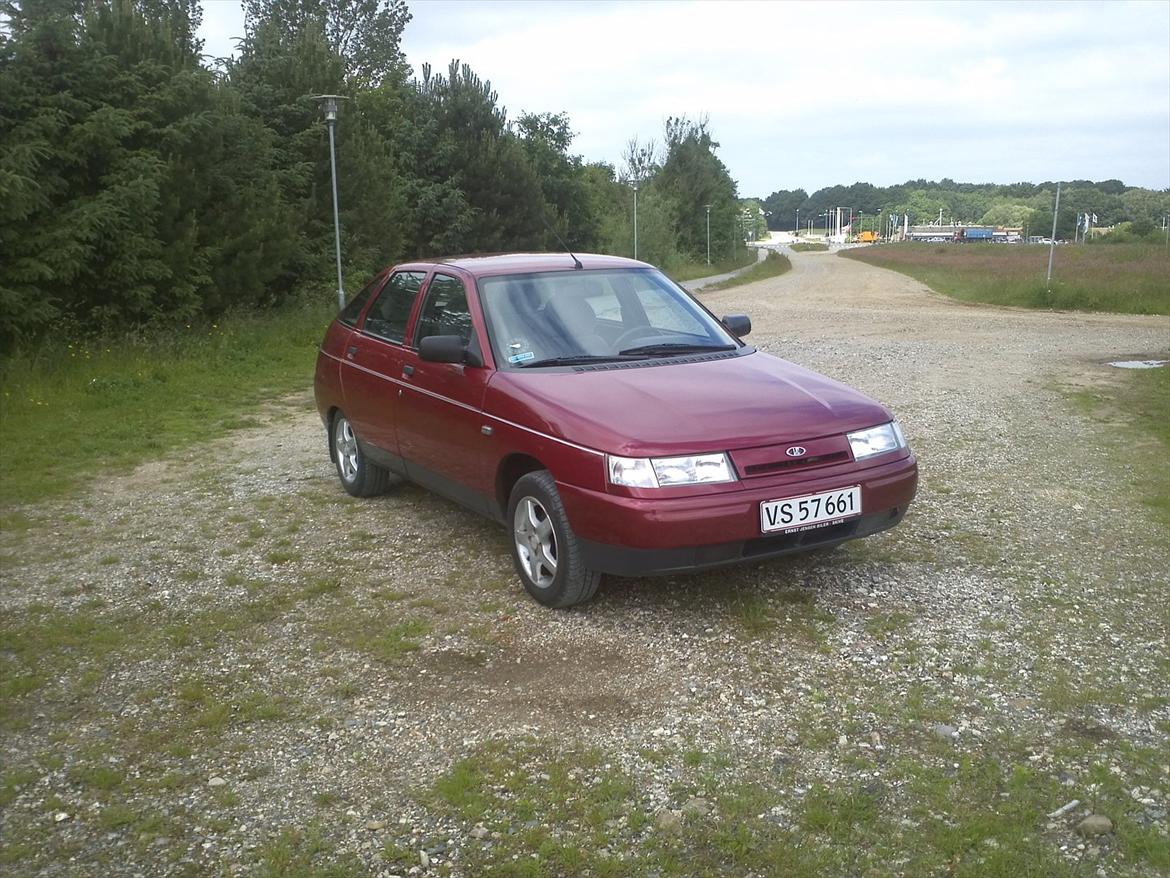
(810, 511)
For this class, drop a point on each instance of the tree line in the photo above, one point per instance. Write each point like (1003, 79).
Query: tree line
(146, 185)
(1028, 205)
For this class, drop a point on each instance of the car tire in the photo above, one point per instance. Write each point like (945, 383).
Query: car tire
(546, 552)
(358, 475)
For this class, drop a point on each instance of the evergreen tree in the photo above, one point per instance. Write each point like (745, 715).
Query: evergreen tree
(136, 190)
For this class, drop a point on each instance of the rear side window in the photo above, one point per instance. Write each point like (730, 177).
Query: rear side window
(391, 311)
(350, 313)
(445, 311)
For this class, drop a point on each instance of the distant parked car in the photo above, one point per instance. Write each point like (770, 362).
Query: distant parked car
(604, 416)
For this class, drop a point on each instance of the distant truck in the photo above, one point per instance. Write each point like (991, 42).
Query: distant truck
(972, 234)
(867, 237)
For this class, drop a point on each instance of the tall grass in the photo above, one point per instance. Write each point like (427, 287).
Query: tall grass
(684, 271)
(774, 265)
(76, 409)
(1131, 278)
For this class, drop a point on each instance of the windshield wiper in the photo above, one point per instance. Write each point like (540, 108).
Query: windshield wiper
(671, 348)
(575, 360)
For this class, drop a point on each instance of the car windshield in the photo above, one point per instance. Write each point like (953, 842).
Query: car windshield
(571, 317)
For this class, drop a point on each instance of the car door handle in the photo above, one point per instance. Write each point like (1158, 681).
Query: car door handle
(350, 352)
(407, 370)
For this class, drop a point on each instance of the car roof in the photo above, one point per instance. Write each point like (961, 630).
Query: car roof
(524, 263)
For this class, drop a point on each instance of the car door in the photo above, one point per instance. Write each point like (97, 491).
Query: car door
(440, 419)
(372, 366)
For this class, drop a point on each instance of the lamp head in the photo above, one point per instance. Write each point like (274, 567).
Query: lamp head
(329, 105)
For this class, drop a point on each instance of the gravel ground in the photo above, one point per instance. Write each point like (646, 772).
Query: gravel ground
(222, 646)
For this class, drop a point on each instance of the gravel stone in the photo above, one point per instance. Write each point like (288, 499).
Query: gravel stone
(992, 579)
(1095, 824)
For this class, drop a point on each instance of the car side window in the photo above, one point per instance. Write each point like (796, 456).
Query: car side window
(389, 314)
(445, 310)
(350, 313)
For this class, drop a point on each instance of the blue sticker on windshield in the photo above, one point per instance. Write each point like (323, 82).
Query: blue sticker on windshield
(520, 358)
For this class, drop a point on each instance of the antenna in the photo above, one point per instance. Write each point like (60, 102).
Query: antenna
(576, 262)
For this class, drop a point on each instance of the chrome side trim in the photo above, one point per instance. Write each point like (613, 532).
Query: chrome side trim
(466, 407)
(557, 439)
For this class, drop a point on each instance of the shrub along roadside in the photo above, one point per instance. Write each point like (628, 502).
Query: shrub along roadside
(685, 271)
(774, 265)
(92, 408)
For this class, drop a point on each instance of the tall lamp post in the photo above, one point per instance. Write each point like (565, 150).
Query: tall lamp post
(708, 234)
(635, 220)
(329, 104)
(796, 230)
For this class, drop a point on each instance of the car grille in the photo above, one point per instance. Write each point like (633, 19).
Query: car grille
(769, 460)
(763, 469)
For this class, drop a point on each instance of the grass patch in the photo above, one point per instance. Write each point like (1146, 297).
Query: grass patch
(385, 635)
(1147, 400)
(684, 271)
(809, 247)
(294, 853)
(1139, 398)
(112, 406)
(773, 266)
(1123, 278)
(561, 813)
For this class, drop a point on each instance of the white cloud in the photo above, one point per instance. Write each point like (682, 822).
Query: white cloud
(811, 94)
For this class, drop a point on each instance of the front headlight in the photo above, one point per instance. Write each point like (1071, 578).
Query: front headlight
(665, 472)
(876, 440)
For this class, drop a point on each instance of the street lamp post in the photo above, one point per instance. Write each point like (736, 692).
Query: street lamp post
(635, 220)
(796, 228)
(1052, 240)
(708, 234)
(329, 104)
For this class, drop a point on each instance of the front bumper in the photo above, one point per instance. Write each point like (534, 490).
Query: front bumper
(629, 536)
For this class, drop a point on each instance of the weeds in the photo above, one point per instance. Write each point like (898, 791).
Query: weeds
(112, 406)
(1125, 279)
(774, 265)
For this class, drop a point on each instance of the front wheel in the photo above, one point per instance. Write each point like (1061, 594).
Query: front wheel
(545, 550)
(358, 476)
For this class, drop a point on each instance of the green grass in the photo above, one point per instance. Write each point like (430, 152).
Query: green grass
(1124, 278)
(773, 266)
(809, 247)
(684, 271)
(295, 853)
(565, 812)
(1141, 399)
(1147, 399)
(89, 408)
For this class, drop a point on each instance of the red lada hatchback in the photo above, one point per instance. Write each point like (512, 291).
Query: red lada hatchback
(604, 416)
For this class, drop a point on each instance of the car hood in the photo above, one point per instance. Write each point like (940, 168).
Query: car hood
(679, 408)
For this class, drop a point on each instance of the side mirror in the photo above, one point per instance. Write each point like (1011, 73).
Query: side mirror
(738, 325)
(447, 349)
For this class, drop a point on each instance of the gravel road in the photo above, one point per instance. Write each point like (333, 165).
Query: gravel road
(357, 650)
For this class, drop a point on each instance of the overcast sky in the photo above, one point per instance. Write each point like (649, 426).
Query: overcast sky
(813, 94)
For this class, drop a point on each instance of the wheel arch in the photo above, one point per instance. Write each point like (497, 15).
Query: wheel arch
(330, 415)
(511, 469)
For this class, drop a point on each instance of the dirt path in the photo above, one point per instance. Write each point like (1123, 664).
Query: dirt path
(223, 645)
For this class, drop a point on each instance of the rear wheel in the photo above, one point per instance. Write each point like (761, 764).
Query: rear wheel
(545, 550)
(359, 476)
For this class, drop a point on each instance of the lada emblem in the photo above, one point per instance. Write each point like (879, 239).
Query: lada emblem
(796, 451)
